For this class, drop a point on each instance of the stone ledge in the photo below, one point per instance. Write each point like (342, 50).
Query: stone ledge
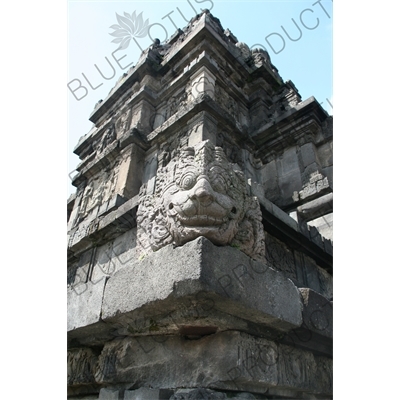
(231, 361)
(244, 287)
(285, 228)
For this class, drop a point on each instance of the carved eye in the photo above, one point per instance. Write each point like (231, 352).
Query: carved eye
(219, 184)
(188, 180)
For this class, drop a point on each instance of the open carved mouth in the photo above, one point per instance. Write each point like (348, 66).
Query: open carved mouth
(201, 220)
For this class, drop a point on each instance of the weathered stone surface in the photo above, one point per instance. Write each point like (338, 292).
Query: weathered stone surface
(317, 312)
(190, 394)
(202, 127)
(307, 154)
(289, 173)
(109, 394)
(223, 361)
(147, 394)
(114, 255)
(316, 208)
(247, 284)
(310, 275)
(325, 154)
(280, 257)
(81, 366)
(271, 181)
(84, 303)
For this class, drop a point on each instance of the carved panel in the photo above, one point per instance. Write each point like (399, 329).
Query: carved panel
(108, 137)
(98, 190)
(176, 103)
(81, 366)
(123, 123)
(226, 101)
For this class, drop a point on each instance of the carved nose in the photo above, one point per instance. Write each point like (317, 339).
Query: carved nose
(203, 192)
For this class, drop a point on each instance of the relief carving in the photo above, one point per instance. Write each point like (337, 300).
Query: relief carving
(98, 191)
(261, 57)
(244, 49)
(81, 366)
(123, 123)
(175, 104)
(87, 194)
(226, 102)
(200, 193)
(108, 137)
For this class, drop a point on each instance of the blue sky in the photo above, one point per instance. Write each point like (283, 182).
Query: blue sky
(306, 59)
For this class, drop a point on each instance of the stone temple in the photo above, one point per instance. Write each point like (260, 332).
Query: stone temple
(200, 233)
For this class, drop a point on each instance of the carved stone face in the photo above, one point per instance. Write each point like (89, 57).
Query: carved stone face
(206, 197)
(200, 193)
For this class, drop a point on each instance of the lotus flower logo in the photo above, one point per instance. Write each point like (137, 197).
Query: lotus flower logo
(130, 27)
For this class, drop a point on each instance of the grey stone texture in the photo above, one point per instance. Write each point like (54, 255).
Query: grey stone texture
(225, 361)
(109, 394)
(248, 285)
(200, 234)
(84, 303)
(148, 394)
(317, 312)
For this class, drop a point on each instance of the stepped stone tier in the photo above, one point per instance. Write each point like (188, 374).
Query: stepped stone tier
(200, 233)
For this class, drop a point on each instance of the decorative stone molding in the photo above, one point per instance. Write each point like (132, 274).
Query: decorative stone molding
(202, 82)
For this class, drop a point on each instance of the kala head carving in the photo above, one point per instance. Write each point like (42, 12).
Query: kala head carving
(200, 193)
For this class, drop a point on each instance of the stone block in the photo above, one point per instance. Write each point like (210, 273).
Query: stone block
(81, 366)
(203, 83)
(202, 127)
(328, 172)
(315, 236)
(290, 161)
(114, 255)
(328, 247)
(148, 394)
(109, 394)
(230, 360)
(279, 213)
(311, 274)
(317, 312)
(130, 172)
(123, 249)
(72, 218)
(150, 166)
(200, 393)
(289, 184)
(316, 208)
(308, 154)
(244, 287)
(309, 171)
(115, 202)
(325, 283)
(82, 269)
(270, 180)
(84, 303)
(325, 155)
(102, 262)
(103, 208)
(279, 256)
